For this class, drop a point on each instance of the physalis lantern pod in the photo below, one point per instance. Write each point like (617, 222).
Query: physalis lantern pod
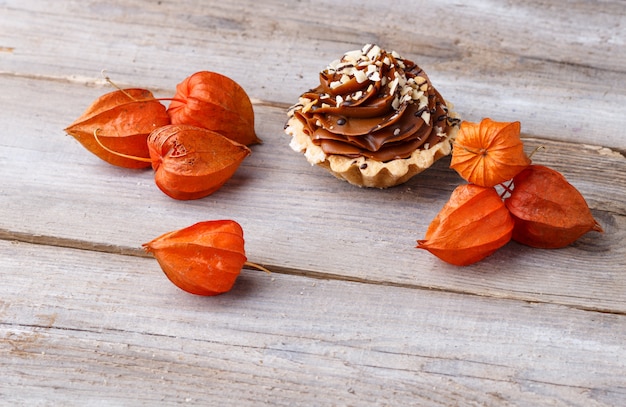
(121, 121)
(215, 102)
(488, 153)
(472, 225)
(192, 162)
(549, 212)
(203, 259)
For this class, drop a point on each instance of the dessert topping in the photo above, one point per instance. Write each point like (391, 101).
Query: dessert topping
(375, 104)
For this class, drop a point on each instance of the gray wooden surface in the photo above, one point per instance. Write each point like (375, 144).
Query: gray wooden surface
(352, 314)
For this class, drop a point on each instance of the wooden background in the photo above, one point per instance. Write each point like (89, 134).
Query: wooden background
(352, 314)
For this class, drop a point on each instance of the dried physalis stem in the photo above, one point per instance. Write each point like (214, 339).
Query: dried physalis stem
(257, 266)
(214, 102)
(116, 126)
(471, 226)
(110, 82)
(488, 153)
(192, 162)
(548, 211)
(205, 258)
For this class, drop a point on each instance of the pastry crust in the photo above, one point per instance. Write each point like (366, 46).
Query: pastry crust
(365, 172)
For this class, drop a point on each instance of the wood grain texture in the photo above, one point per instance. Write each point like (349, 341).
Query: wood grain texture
(353, 314)
(299, 219)
(559, 71)
(71, 322)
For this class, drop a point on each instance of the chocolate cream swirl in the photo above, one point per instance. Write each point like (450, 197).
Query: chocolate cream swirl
(374, 104)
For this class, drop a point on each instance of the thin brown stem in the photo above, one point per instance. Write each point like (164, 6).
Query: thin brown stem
(257, 266)
(506, 188)
(535, 150)
(106, 78)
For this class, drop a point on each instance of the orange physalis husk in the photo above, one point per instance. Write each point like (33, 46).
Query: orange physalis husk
(472, 225)
(549, 212)
(215, 102)
(202, 259)
(488, 153)
(191, 162)
(121, 121)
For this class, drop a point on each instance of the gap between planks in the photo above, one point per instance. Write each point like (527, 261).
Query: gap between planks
(101, 82)
(77, 244)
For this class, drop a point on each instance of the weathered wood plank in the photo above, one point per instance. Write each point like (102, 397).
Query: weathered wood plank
(560, 72)
(80, 327)
(91, 325)
(297, 218)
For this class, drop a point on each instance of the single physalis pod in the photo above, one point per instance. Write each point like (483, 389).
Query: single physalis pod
(488, 153)
(215, 102)
(472, 225)
(202, 259)
(549, 212)
(121, 121)
(192, 162)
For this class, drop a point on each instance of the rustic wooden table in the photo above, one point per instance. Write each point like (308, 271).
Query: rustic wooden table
(352, 314)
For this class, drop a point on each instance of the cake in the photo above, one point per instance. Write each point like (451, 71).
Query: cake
(375, 120)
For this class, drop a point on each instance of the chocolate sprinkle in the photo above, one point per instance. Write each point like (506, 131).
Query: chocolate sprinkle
(420, 111)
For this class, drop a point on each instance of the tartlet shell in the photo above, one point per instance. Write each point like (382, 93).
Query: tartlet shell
(365, 172)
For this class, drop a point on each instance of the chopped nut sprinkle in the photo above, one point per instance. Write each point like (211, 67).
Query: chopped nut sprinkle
(378, 80)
